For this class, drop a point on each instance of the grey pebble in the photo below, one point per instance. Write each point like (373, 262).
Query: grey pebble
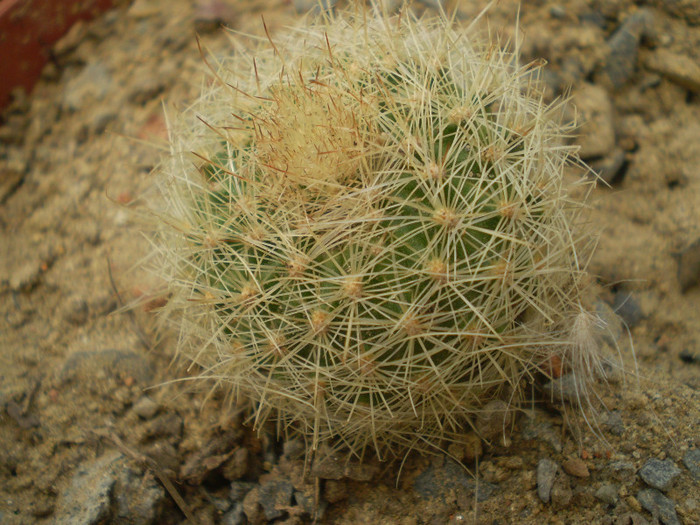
(614, 423)
(691, 460)
(546, 472)
(106, 490)
(621, 470)
(274, 496)
(658, 506)
(87, 500)
(145, 408)
(607, 493)
(624, 46)
(137, 499)
(659, 474)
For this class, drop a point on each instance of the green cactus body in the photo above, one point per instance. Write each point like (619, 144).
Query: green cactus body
(380, 241)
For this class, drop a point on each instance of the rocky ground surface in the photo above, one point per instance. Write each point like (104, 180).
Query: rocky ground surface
(94, 427)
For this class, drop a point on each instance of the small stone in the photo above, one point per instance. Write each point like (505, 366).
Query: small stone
(658, 506)
(621, 470)
(87, 499)
(335, 491)
(659, 474)
(145, 408)
(624, 46)
(607, 493)
(274, 497)
(614, 424)
(137, 499)
(575, 467)
(679, 69)
(546, 472)
(689, 265)
(691, 460)
(597, 134)
(252, 508)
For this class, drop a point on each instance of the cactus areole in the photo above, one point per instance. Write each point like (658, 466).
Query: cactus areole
(366, 232)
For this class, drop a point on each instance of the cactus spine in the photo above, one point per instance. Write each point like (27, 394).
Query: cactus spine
(373, 238)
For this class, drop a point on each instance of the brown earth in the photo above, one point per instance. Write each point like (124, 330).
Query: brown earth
(94, 427)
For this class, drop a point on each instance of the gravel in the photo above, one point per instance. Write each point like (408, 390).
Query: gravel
(659, 474)
(691, 460)
(546, 473)
(659, 506)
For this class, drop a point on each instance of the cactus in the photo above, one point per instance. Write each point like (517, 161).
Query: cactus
(366, 232)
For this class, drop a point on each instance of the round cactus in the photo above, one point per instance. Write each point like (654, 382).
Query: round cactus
(367, 234)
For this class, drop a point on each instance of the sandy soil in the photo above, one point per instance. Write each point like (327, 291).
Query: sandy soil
(88, 436)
